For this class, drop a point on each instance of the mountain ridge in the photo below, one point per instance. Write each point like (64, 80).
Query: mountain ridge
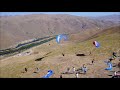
(15, 29)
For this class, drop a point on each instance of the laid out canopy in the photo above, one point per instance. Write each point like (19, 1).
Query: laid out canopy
(109, 66)
(49, 74)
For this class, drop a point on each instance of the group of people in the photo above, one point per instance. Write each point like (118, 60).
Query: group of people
(116, 73)
(84, 68)
(74, 71)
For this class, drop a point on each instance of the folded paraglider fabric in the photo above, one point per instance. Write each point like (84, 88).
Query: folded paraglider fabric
(109, 66)
(49, 74)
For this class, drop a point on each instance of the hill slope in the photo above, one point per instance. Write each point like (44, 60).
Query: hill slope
(14, 29)
(53, 59)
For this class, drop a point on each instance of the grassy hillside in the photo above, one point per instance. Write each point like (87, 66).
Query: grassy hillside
(14, 29)
(52, 52)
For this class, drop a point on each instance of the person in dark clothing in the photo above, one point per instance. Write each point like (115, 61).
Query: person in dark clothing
(25, 69)
(92, 61)
(110, 59)
(63, 54)
(60, 76)
(68, 69)
(114, 55)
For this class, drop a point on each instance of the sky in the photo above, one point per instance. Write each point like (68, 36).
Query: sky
(71, 13)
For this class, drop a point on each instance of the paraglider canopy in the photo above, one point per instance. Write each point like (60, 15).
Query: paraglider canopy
(50, 71)
(109, 66)
(49, 74)
(97, 44)
(60, 37)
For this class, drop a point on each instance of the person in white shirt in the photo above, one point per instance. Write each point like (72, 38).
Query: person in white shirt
(76, 75)
(73, 69)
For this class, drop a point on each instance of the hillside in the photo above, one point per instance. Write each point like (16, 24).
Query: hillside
(14, 29)
(110, 18)
(48, 56)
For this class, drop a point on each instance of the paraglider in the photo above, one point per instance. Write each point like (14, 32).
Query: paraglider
(97, 44)
(49, 74)
(60, 37)
(109, 66)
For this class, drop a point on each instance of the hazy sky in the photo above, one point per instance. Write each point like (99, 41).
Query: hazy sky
(71, 13)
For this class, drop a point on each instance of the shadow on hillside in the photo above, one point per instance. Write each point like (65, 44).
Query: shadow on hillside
(39, 59)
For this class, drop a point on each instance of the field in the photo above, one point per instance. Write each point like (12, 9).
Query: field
(48, 56)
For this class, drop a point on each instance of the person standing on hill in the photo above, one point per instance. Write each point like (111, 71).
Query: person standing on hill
(73, 69)
(68, 69)
(25, 69)
(85, 70)
(93, 61)
(83, 65)
(60, 76)
(110, 60)
(76, 75)
(114, 54)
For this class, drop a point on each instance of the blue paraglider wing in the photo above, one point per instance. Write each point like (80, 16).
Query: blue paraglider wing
(50, 73)
(109, 66)
(60, 37)
(97, 44)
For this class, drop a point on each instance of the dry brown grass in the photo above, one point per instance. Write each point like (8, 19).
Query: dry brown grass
(13, 66)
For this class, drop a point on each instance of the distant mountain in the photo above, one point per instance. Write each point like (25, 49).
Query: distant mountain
(14, 29)
(110, 18)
